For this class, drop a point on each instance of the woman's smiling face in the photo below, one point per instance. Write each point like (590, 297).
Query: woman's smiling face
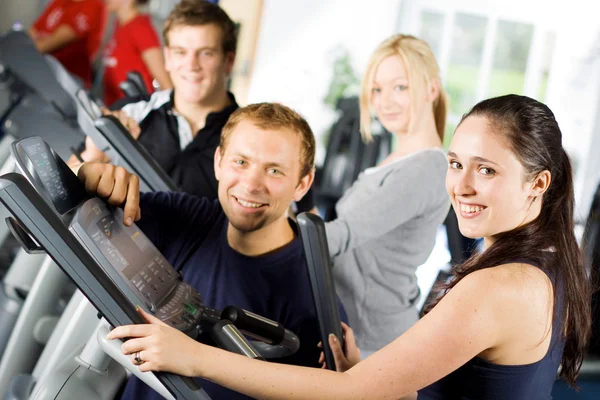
(486, 182)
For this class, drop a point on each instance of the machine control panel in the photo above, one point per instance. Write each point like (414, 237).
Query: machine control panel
(138, 263)
(123, 252)
(46, 171)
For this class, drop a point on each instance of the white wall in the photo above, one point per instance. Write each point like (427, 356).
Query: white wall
(296, 45)
(574, 94)
(24, 11)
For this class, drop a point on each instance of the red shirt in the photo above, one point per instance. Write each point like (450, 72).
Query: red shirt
(87, 19)
(124, 53)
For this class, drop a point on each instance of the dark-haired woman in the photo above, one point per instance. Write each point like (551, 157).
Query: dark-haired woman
(501, 329)
(134, 46)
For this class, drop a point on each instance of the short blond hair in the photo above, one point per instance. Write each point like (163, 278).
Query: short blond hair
(421, 67)
(275, 116)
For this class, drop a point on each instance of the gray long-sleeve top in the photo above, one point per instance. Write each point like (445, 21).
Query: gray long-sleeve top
(386, 228)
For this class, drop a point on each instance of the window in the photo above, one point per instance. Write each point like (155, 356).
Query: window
(482, 52)
(511, 51)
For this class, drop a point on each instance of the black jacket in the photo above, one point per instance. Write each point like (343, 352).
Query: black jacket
(163, 131)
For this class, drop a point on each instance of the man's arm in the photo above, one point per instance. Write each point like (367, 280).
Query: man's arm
(89, 152)
(172, 220)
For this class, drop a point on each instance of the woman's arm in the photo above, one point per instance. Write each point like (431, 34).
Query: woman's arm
(61, 37)
(153, 58)
(32, 34)
(465, 323)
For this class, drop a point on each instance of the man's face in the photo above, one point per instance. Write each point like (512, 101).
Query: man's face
(259, 176)
(196, 63)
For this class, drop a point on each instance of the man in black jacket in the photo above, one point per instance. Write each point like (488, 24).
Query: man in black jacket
(181, 128)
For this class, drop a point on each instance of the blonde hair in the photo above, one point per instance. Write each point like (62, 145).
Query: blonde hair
(275, 116)
(421, 67)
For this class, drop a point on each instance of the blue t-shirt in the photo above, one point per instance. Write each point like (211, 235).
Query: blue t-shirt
(191, 232)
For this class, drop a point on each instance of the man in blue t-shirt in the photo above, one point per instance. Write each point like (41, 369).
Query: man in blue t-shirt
(242, 249)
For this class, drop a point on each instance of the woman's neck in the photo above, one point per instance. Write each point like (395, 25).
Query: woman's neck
(126, 14)
(423, 136)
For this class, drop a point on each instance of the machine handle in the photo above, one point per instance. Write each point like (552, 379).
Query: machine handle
(228, 337)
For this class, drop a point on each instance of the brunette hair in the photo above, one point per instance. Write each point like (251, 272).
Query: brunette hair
(200, 12)
(534, 137)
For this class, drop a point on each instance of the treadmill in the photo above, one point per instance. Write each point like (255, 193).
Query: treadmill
(62, 112)
(50, 111)
(112, 137)
(117, 267)
(44, 89)
(38, 101)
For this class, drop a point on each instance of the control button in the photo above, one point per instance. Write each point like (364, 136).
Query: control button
(150, 307)
(190, 308)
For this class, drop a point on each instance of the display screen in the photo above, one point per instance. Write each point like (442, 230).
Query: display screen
(129, 252)
(119, 246)
(58, 181)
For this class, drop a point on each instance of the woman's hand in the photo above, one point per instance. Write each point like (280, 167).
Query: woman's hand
(346, 358)
(158, 347)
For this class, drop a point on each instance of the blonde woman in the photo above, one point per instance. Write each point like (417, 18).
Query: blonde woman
(387, 220)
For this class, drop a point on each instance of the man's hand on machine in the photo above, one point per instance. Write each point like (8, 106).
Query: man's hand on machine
(115, 184)
(129, 123)
(158, 347)
(93, 153)
(346, 358)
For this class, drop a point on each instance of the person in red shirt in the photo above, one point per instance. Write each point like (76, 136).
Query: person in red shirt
(134, 46)
(71, 31)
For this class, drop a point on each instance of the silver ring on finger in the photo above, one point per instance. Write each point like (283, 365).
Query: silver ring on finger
(137, 359)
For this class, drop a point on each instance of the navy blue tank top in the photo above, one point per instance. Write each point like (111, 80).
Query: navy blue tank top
(480, 379)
